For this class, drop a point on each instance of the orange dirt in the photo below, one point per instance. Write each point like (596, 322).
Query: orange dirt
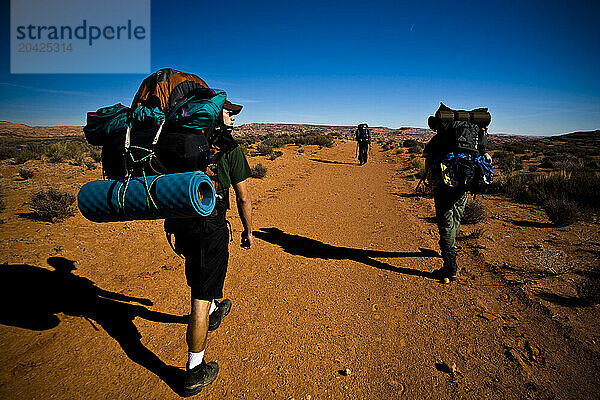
(335, 300)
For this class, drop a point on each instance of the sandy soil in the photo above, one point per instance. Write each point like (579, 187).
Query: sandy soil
(335, 300)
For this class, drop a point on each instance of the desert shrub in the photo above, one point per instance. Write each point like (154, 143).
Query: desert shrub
(52, 205)
(560, 161)
(63, 151)
(6, 152)
(314, 139)
(26, 173)
(507, 161)
(277, 141)
(560, 211)
(418, 165)
(533, 168)
(96, 154)
(300, 150)
(520, 147)
(25, 155)
(259, 171)
(275, 154)
(580, 186)
(474, 212)
(323, 140)
(246, 140)
(264, 149)
(399, 151)
(410, 143)
(416, 149)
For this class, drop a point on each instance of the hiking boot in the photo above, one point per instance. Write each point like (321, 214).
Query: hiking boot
(214, 320)
(198, 377)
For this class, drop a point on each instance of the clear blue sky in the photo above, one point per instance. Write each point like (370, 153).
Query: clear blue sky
(533, 63)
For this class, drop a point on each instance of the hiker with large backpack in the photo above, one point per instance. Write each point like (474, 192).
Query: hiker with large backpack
(177, 124)
(456, 163)
(363, 142)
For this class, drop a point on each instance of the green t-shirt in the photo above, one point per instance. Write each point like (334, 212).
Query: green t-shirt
(232, 169)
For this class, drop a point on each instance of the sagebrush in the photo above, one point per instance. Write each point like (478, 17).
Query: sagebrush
(52, 205)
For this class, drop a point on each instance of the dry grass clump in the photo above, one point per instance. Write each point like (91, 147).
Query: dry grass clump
(474, 212)
(63, 151)
(30, 151)
(26, 173)
(507, 161)
(561, 211)
(52, 205)
(259, 171)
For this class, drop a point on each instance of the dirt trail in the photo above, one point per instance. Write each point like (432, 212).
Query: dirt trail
(338, 279)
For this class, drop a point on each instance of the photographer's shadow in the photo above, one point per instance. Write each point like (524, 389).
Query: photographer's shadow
(303, 246)
(32, 296)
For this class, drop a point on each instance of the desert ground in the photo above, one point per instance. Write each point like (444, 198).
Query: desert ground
(335, 299)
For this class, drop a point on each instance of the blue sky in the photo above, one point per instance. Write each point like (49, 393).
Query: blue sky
(533, 63)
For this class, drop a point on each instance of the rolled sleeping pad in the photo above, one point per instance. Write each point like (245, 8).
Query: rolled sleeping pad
(445, 115)
(181, 195)
(481, 118)
(461, 115)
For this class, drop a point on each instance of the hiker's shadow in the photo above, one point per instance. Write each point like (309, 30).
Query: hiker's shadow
(32, 296)
(299, 245)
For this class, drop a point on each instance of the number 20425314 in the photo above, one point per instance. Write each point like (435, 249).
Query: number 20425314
(49, 47)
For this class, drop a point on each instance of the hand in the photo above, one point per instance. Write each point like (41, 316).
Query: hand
(247, 239)
(488, 158)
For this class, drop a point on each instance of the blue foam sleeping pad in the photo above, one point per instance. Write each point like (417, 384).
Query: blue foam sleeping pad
(186, 194)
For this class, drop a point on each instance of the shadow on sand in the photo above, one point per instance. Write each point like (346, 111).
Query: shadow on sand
(32, 296)
(302, 246)
(333, 162)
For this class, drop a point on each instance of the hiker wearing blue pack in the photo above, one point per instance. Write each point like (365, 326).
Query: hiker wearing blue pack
(363, 142)
(456, 163)
(204, 244)
(177, 124)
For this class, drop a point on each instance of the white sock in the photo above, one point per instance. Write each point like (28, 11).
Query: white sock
(213, 307)
(195, 359)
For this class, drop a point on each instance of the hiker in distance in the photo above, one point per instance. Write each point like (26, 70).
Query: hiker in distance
(204, 241)
(457, 163)
(363, 142)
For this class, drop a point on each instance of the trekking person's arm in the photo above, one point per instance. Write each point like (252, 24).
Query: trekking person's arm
(487, 157)
(244, 206)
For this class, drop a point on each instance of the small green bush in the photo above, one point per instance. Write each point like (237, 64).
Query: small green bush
(474, 212)
(26, 173)
(52, 205)
(259, 171)
(561, 212)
